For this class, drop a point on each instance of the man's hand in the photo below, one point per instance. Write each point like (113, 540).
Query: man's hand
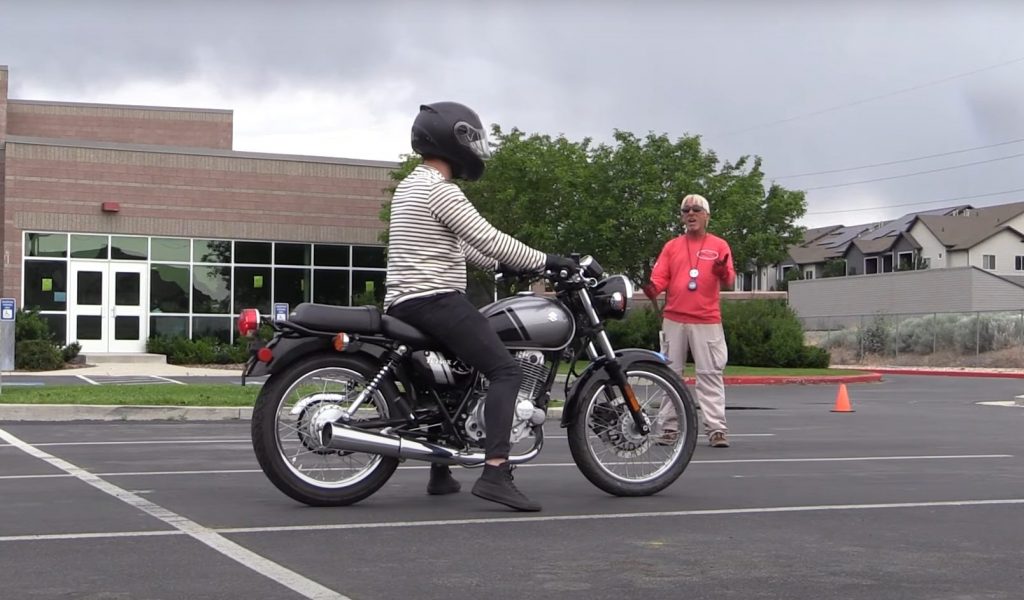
(650, 293)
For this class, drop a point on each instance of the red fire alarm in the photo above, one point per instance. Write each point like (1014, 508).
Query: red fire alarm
(110, 207)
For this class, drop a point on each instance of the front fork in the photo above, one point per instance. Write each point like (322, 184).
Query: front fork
(618, 375)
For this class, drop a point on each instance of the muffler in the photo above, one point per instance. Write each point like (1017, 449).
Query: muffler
(338, 436)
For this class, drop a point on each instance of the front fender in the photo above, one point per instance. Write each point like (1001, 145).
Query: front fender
(597, 372)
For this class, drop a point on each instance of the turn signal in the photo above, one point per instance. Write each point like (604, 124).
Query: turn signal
(340, 341)
(248, 322)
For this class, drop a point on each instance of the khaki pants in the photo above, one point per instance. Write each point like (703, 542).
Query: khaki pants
(710, 355)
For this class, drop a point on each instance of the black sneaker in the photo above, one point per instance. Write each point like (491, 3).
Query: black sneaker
(496, 485)
(441, 481)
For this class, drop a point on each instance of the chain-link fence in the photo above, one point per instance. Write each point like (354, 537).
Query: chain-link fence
(969, 339)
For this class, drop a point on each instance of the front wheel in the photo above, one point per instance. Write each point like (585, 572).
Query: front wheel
(286, 421)
(609, 449)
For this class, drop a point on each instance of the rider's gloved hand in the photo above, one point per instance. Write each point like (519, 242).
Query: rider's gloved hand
(555, 262)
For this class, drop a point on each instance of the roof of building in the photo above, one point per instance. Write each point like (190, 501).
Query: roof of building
(71, 143)
(825, 243)
(967, 230)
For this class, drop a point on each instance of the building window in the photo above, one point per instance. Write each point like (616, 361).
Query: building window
(988, 261)
(90, 246)
(905, 261)
(809, 274)
(1018, 263)
(871, 265)
(196, 287)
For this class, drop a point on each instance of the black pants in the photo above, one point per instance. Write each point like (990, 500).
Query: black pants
(451, 318)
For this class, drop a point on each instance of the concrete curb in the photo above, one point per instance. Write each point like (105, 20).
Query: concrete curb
(802, 380)
(946, 372)
(81, 412)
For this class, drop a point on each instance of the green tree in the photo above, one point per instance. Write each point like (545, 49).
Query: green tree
(619, 201)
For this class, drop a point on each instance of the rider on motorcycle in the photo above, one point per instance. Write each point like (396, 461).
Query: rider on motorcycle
(434, 231)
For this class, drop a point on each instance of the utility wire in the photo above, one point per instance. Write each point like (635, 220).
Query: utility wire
(949, 168)
(904, 160)
(872, 98)
(832, 212)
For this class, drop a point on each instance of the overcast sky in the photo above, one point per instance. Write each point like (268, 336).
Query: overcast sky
(808, 86)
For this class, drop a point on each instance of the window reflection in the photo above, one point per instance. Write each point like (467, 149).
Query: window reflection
(169, 289)
(211, 290)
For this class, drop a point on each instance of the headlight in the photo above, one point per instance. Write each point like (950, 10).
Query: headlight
(612, 297)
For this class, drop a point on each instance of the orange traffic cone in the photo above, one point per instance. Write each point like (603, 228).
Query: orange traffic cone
(842, 400)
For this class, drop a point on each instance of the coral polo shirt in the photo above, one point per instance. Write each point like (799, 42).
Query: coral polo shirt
(672, 274)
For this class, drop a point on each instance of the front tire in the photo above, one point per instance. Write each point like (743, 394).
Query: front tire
(285, 435)
(610, 451)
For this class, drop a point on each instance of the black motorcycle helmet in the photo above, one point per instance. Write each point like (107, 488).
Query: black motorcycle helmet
(452, 132)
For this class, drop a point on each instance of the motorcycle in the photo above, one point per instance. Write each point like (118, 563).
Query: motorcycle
(352, 392)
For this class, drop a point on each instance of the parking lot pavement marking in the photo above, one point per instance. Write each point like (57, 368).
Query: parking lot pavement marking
(638, 515)
(530, 465)
(282, 575)
(168, 379)
(86, 379)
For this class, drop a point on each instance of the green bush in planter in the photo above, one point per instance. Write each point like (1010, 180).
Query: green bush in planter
(37, 355)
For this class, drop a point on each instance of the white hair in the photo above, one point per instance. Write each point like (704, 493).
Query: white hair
(697, 199)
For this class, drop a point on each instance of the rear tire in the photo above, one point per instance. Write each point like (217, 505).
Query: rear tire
(287, 444)
(610, 451)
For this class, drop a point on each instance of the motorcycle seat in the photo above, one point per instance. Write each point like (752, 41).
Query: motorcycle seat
(326, 317)
(359, 319)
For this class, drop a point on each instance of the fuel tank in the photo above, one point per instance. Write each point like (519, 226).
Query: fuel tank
(527, 321)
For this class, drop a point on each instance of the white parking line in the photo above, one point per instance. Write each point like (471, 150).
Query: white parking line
(169, 379)
(518, 520)
(86, 379)
(282, 575)
(539, 465)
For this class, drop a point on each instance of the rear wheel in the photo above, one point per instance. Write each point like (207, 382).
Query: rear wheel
(287, 417)
(609, 449)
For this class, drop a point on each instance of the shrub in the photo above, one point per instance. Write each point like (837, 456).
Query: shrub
(69, 352)
(205, 351)
(28, 325)
(37, 355)
(877, 337)
(767, 333)
(638, 329)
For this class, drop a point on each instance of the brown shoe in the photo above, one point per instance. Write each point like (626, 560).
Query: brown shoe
(718, 440)
(667, 438)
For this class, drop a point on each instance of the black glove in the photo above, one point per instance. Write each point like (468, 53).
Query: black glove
(555, 262)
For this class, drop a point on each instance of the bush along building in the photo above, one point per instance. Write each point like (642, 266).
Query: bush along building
(124, 222)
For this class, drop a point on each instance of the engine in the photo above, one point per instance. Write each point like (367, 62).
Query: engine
(526, 416)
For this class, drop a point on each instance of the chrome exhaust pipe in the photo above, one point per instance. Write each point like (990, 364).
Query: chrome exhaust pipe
(338, 436)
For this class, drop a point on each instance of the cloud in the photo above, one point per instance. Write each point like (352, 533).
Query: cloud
(807, 86)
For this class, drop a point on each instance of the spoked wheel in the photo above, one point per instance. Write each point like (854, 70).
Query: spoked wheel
(610, 450)
(288, 416)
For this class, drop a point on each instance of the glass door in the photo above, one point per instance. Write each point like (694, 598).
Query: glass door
(106, 308)
(128, 320)
(87, 299)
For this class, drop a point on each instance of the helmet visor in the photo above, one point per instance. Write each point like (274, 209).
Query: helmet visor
(473, 138)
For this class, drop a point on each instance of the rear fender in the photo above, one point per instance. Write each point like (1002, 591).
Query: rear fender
(597, 372)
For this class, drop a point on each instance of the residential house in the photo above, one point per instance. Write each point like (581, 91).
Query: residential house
(990, 238)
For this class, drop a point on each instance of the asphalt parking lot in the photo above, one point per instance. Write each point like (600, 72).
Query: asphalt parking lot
(917, 494)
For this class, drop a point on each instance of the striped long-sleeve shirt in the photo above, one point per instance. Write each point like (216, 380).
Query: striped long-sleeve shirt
(434, 231)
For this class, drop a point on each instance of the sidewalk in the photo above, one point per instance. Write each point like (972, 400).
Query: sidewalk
(72, 412)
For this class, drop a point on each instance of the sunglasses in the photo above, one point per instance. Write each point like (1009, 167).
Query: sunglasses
(686, 209)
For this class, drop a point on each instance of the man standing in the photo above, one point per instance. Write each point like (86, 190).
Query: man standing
(692, 269)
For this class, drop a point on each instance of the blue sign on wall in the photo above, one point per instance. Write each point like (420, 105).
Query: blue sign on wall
(7, 309)
(280, 311)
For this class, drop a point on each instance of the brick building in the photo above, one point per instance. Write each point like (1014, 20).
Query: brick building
(120, 222)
